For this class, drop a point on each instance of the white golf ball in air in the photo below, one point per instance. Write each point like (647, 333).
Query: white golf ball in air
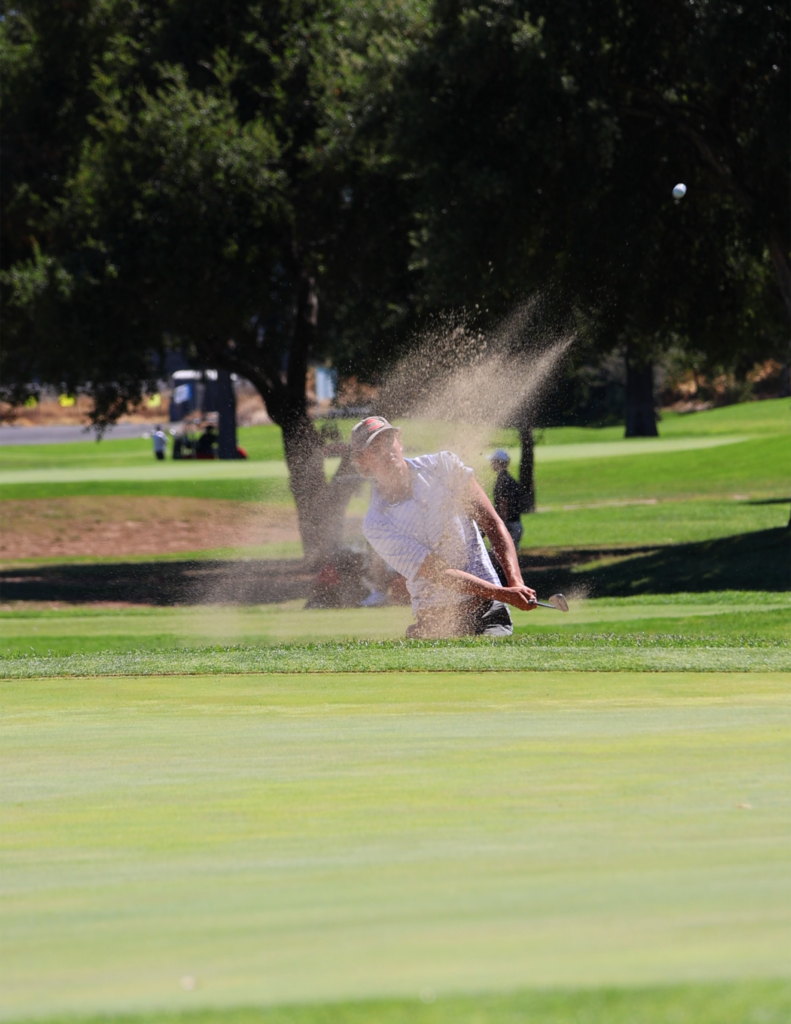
(679, 191)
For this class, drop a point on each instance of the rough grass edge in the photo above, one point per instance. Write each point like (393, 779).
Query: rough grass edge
(600, 652)
(739, 1002)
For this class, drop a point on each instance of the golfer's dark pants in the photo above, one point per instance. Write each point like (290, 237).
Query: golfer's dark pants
(492, 618)
(480, 618)
(160, 455)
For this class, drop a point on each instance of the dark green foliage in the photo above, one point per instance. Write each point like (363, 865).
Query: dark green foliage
(544, 140)
(260, 184)
(202, 196)
(208, 200)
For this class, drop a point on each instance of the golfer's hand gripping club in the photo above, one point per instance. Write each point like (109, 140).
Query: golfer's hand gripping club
(519, 597)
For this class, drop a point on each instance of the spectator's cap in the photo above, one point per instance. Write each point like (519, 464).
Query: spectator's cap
(501, 455)
(366, 430)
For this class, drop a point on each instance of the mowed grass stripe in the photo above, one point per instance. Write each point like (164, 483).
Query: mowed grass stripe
(197, 470)
(261, 443)
(81, 630)
(188, 469)
(753, 468)
(592, 652)
(264, 489)
(244, 470)
(750, 1002)
(625, 448)
(287, 839)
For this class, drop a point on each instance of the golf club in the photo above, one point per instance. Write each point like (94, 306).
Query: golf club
(557, 601)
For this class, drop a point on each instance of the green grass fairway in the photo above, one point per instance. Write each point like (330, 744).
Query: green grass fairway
(80, 630)
(328, 837)
(756, 468)
(746, 1002)
(98, 469)
(650, 522)
(591, 652)
(260, 443)
(270, 815)
(742, 449)
(150, 471)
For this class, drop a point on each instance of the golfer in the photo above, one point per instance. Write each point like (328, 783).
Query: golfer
(425, 520)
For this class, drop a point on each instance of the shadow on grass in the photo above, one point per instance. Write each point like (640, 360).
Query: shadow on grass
(747, 561)
(161, 583)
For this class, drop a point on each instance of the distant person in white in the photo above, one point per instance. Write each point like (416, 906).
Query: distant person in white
(425, 520)
(160, 439)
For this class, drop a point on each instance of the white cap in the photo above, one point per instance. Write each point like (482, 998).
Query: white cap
(501, 455)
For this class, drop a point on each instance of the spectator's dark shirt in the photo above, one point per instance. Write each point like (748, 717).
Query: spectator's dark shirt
(206, 442)
(507, 497)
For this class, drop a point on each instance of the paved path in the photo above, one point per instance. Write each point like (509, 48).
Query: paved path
(58, 435)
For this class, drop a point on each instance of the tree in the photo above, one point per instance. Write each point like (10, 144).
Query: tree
(703, 89)
(211, 203)
(544, 139)
(48, 51)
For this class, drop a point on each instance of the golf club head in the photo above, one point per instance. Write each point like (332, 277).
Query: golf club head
(558, 601)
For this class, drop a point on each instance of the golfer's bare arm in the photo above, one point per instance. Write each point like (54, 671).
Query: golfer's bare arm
(440, 573)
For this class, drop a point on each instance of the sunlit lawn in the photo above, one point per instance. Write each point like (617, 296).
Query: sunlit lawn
(679, 495)
(295, 839)
(66, 630)
(272, 815)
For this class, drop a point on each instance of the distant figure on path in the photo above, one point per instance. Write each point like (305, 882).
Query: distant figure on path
(425, 521)
(507, 495)
(160, 440)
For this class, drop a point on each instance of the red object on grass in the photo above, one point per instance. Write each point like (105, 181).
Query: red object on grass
(328, 577)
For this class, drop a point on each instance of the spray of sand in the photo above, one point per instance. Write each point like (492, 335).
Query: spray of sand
(458, 384)
(466, 381)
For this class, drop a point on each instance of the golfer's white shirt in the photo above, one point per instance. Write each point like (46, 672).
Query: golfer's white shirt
(432, 521)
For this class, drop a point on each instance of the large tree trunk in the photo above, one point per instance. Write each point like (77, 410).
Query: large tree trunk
(526, 467)
(321, 505)
(785, 373)
(783, 273)
(301, 442)
(779, 253)
(305, 460)
(640, 409)
(226, 407)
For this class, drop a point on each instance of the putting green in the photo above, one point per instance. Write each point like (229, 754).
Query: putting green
(300, 838)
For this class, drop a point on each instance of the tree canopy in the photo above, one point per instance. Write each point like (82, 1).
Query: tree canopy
(544, 141)
(259, 184)
(207, 198)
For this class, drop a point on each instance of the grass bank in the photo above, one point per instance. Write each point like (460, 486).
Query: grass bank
(591, 652)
